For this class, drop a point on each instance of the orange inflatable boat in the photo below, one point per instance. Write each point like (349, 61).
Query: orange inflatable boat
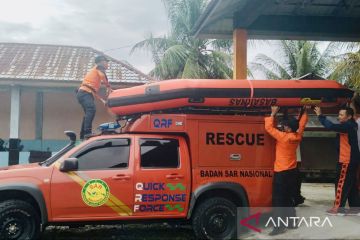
(226, 95)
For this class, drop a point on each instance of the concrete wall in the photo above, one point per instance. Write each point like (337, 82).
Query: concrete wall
(27, 114)
(61, 112)
(4, 114)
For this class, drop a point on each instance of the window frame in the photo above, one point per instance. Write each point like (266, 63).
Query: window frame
(142, 140)
(98, 144)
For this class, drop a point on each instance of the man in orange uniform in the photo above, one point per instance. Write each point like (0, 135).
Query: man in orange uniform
(285, 172)
(349, 158)
(89, 89)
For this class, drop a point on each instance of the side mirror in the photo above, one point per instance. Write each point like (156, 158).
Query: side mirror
(70, 164)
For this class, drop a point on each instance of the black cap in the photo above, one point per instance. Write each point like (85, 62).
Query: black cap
(101, 58)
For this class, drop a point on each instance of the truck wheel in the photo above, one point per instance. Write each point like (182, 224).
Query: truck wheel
(18, 220)
(215, 218)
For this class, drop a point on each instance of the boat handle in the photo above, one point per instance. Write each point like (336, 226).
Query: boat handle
(149, 90)
(196, 100)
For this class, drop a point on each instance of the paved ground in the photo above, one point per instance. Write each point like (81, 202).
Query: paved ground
(319, 197)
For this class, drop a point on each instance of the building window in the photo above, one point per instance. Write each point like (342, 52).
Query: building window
(159, 153)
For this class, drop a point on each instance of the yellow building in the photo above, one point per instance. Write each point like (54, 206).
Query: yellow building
(37, 95)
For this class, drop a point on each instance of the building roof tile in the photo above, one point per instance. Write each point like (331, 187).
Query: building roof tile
(56, 62)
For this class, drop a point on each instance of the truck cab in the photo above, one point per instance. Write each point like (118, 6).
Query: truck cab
(161, 167)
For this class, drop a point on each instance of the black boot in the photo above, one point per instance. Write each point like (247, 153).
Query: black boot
(298, 200)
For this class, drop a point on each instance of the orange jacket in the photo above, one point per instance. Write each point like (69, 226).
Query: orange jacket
(92, 80)
(286, 143)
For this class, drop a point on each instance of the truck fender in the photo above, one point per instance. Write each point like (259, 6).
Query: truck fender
(235, 188)
(32, 190)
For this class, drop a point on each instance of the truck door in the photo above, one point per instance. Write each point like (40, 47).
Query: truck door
(101, 188)
(162, 177)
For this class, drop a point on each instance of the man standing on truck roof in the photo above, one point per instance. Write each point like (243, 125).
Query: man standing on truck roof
(89, 89)
(285, 166)
(349, 157)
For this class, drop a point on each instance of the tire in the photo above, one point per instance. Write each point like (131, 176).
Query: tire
(18, 220)
(215, 218)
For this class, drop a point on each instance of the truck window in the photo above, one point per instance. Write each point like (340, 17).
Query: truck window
(107, 154)
(159, 153)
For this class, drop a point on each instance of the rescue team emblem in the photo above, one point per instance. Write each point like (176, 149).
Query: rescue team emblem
(95, 193)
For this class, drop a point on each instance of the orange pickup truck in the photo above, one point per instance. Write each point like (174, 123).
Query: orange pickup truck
(161, 167)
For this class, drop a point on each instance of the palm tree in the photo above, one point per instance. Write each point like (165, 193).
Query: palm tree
(299, 58)
(347, 67)
(179, 55)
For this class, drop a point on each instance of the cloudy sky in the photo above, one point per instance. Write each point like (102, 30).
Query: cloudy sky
(111, 26)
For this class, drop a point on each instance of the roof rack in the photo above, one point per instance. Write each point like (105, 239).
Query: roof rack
(207, 111)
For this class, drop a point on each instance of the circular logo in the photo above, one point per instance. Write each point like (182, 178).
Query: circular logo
(95, 192)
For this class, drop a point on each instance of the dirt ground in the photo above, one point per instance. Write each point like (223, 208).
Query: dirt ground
(128, 232)
(319, 197)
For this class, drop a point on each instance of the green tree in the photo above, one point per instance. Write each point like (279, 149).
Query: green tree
(297, 59)
(179, 55)
(347, 67)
